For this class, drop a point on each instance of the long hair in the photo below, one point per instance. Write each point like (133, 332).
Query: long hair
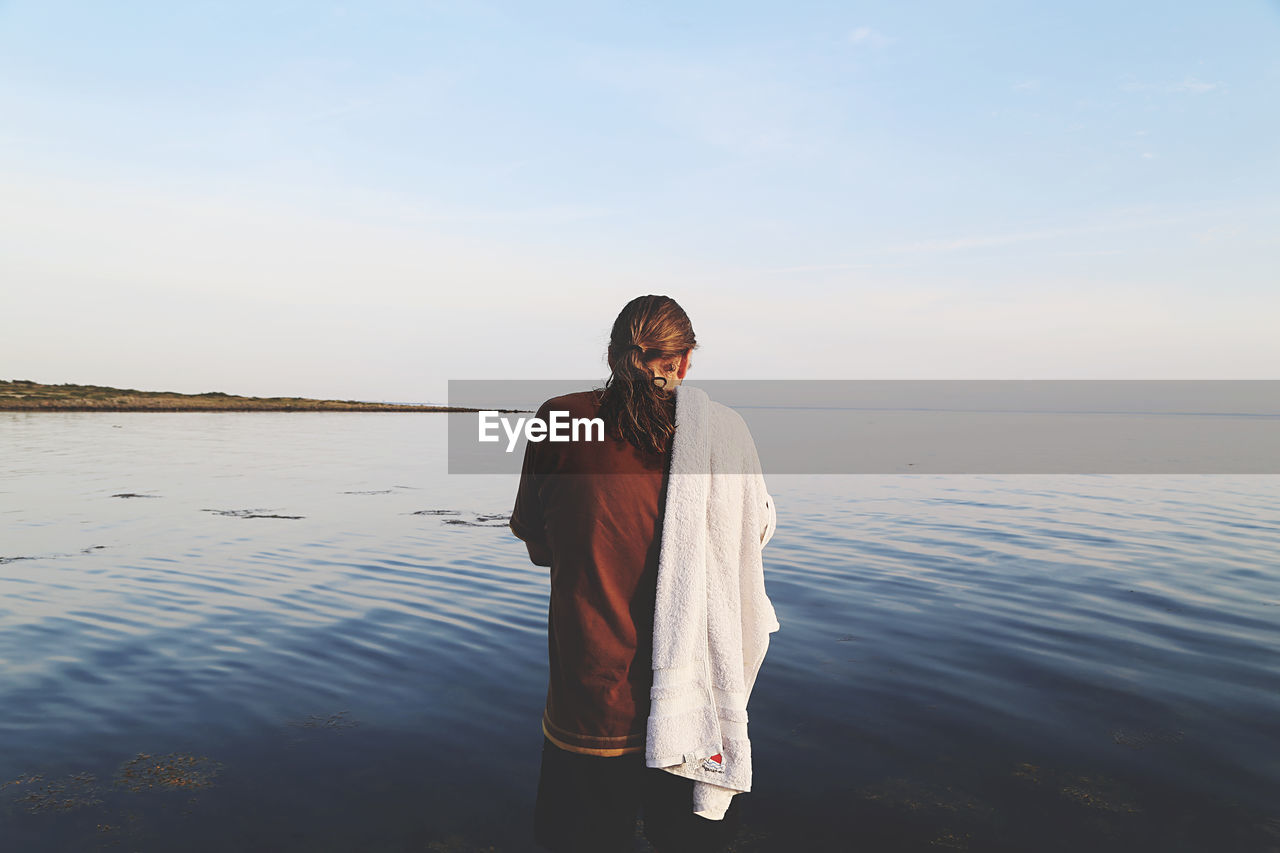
(635, 402)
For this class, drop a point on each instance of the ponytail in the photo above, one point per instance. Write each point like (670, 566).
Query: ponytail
(635, 401)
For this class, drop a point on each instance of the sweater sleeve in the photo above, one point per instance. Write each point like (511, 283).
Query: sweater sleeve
(528, 521)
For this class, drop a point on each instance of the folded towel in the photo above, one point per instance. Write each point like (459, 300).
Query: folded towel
(712, 618)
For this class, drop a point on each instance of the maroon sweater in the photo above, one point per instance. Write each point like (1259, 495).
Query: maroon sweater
(591, 511)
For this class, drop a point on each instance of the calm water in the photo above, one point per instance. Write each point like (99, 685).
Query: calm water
(328, 644)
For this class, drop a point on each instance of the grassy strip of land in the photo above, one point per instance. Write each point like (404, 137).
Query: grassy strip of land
(24, 395)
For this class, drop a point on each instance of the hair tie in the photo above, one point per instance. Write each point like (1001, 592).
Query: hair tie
(636, 346)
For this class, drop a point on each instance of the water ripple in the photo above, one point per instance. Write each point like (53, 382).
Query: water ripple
(1070, 623)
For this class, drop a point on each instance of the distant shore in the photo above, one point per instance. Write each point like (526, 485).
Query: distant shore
(19, 395)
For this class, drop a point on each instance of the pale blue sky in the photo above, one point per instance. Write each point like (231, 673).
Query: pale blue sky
(367, 200)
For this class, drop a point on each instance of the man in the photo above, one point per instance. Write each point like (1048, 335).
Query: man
(592, 511)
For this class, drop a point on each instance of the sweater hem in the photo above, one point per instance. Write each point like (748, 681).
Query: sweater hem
(587, 750)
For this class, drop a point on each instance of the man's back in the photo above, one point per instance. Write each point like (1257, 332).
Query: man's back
(592, 512)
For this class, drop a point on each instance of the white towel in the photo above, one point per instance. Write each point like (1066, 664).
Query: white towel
(712, 618)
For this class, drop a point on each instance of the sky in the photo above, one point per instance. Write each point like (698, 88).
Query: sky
(363, 201)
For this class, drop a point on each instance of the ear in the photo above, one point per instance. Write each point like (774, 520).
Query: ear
(686, 361)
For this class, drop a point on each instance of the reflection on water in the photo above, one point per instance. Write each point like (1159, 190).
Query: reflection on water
(309, 637)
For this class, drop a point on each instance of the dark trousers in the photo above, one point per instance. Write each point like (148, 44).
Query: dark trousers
(588, 804)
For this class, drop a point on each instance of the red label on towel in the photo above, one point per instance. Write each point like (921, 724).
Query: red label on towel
(715, 762)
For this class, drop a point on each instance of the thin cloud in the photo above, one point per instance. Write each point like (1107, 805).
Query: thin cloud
(723, 102)
(1187, 86)
(868, 36)
(822, 268)
(987, 241)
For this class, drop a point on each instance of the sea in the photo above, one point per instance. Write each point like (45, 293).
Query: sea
(245, 631)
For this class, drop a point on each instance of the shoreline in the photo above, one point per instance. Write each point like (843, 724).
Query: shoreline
(20, 395)
(372, 407)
